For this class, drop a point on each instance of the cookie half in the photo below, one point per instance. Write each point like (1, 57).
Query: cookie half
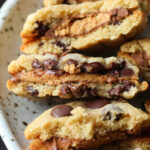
(62, 28)
(85, 125)
(74, 76)
(138, 53)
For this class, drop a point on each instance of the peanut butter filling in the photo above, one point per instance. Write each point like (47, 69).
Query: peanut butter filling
(81, 24)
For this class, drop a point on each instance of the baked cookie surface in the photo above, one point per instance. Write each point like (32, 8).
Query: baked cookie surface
(145, 4)
(86, 125)
(138, 53)
(74, 76)
(62, 28)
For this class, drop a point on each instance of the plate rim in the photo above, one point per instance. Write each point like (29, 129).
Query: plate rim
(5, 131)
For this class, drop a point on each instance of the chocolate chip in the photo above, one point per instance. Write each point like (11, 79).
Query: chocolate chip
(117, 66)
(65, 90)
(32, 91)
(113, 113)
(94, 67)
(127, 72)
(119, 89)
(127, 85)
(36, 64)
(116, 91)
(61, 111)
(107, 116)
(94, 104)
(113, 117)
(118, 117)
(50, 64)
(71, 61)
(113, 73)
(62, 45)
(79, 91)
(41, 29)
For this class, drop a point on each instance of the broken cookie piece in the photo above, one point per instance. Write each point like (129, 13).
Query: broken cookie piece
(83, 125)
(74, 76)
(138, 53)
(64, 28)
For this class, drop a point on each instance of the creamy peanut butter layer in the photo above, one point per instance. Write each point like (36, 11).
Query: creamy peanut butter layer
(62, 28)
(75, 86)
(74, 76)
(138, 53)
(145, 4)
(85, 125)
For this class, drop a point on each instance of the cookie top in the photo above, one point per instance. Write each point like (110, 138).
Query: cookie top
(55, 29)
(85, 120)
(145, 4)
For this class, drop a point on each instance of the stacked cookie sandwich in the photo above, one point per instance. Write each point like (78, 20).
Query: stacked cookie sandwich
(52, 40)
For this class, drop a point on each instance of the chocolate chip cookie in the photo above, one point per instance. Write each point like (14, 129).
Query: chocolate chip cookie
(139, 142)
(85, 125)
(138, 53)
(74, 76)
(63, 28)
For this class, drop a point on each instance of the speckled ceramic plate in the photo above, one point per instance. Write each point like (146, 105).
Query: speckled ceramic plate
(17, 112)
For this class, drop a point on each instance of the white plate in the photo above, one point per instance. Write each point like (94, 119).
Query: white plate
(15, 112)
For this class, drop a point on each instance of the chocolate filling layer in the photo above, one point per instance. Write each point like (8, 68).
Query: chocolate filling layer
(118, 69)
(82, 90)
(116, 91)
(81, 24)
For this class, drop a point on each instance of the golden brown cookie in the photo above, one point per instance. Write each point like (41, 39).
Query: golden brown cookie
(85, 125)
(74, 76)
(138, 53)
(62, 28)
(145, 4)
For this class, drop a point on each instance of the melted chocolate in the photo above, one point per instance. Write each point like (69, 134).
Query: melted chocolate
(94, 104)
(61, 111)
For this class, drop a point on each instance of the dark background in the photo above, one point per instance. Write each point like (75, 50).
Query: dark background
(2, 146)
